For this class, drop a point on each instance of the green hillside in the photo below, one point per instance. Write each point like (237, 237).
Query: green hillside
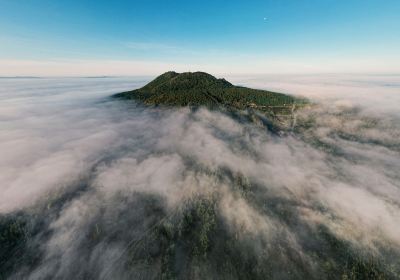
(202, 89)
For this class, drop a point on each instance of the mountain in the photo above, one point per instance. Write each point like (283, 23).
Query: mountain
(202, 89)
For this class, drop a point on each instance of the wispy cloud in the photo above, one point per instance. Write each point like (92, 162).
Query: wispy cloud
(150, 46)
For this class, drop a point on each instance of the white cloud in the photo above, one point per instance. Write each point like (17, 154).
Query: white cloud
(342, 173)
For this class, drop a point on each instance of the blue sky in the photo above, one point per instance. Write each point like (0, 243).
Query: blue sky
(46, 37)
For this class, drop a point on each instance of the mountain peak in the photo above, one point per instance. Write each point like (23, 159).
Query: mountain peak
(185, 81)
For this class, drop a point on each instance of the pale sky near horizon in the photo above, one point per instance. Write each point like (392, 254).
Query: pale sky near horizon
(91, 38)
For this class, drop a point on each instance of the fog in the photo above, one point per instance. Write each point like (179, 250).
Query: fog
(105, 189)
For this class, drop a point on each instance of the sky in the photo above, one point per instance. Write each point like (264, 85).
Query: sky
(75, 38)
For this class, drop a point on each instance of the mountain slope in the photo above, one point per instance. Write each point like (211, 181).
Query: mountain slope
(202, 89)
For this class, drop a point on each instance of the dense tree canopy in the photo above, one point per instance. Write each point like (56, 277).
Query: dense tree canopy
(202, 89)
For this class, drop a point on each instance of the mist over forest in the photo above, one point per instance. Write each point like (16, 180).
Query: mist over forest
(97, 188)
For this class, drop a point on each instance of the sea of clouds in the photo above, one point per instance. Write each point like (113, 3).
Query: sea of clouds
(78, 162)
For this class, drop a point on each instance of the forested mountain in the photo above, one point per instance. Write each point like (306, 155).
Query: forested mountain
(202, 89)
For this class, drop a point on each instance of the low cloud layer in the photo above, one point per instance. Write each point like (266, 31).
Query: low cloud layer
(104, 189)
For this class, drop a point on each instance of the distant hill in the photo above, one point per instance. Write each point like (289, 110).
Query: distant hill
(202, 89)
